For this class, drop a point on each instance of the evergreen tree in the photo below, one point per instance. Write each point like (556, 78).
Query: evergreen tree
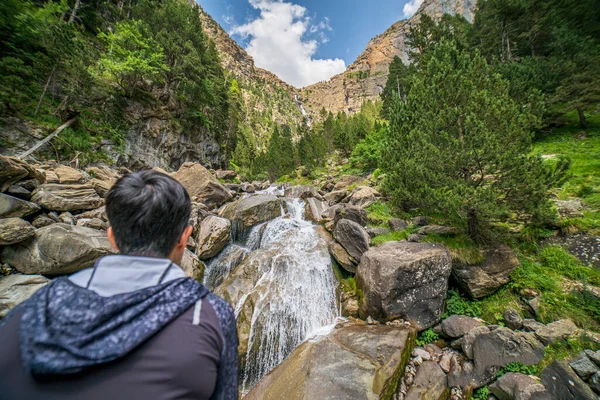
(460, 145)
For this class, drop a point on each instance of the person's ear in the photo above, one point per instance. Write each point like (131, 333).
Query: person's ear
(187, 232)
(111, 238)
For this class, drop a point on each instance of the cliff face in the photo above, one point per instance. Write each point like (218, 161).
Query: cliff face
(365, 79)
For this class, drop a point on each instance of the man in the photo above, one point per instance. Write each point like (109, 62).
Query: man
(133, 326)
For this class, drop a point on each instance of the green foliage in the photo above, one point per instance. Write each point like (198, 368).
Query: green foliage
(519, 368)
(483, 393)
(367, 153)
(426, 337)
(380, 212)
(567, 349)
(457, 304)
(558, 259)
(460, 145)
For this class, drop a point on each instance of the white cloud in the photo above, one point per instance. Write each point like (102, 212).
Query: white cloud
(411, 7)
(277, 43)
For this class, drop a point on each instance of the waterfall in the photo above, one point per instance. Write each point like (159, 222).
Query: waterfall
(294, 299)
(303, 111)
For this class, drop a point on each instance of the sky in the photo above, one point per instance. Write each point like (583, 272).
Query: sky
(306, 41)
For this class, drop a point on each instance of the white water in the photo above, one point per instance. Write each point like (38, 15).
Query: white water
(294, 299)
(303, 111)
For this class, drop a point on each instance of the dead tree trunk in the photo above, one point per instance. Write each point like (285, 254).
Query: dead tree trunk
(47, 138)
(37, 109)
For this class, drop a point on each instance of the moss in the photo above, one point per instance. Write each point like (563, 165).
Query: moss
(462, 248)
(390, 389)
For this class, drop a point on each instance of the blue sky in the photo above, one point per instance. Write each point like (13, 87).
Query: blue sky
(306, 41)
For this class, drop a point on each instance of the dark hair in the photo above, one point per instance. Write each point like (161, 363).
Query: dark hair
(148, 212)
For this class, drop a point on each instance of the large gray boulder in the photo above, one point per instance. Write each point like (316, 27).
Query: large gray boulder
(15, 289)
(314, 209)
(564, 384)
(67, 197)
(213, 236)
(302, 192)
(192, 266)
(352, 213)
(252, 210)
(13, 207)
(405, 280)
(485, 278)
(430, 383)
(514, 386)
(201, 185)
(342, 257)
(58, 249)
(583, 366)
(364, 196)
(353, 238)
(348, 180)
(13, 170)
(15, 230)
(336, 196)
(352, 362)
(457, 326)
(556, 330)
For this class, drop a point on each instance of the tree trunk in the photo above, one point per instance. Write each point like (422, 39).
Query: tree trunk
(37, 109)
(476, 229)
(47, 138)
(74, 12)
(582, 121)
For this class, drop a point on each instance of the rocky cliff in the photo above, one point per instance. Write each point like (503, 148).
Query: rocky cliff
(365, 79)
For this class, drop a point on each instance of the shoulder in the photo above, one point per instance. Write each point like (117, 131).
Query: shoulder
(225, 314)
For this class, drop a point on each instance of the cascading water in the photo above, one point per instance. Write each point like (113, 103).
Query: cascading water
(295, 296)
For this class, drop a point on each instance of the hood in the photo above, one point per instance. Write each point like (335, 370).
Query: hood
(66, 328)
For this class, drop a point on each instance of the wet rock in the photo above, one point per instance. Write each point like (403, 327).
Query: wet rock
(405, 280)
(192, 266)
(350, 308)
(248, 188)
(314, 209)
(512, 319)
(342, 257)
(583, 366)
(595, 382)
(556, 330)
(364, 196)
(42, 220)
(354, 361)
(93, 223)
(246, 213)
(351, 213)
(564, 384)
(15, 289)
(457, 326)
(502, 346)
(514, 386)
(437, 230)
(420, 221)
(397, 224)
(336, 196)
(15, 230)
(58, 249)
(487, 277)
(374, 232)
(67, 197)
(430, 383)
(201, 185)
(226, 175)
(13, 207)
(353, 238)
(68, 175)
(303, 192)
(29, 184)
(348, 180)
(213, 236)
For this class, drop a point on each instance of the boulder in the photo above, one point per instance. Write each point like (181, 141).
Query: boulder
(354, 361)
(336, 196)
(466, 342)
(302, 192)
(213, 236)
(405, 280)
(104, 173)
(19, 191)
(252, 210)
(13, 170)
(531, 325)
(226, 175)
(364, 196)
(58, 249)
(570, 208)
(512, 319)
(99, 213)
(502, 346)
(564, 384)
(94, 223)
(437, 230)
(397, 224)
(67, 218)
(374, 232)
(201, 185)
(456, 326)
(348, 180)
(415, 238)
(420, 220)
(352, 237)
(13, 207)
(67, 197)
(583, 366)
(556, 330)
(485, 278)
(234, 187)
(41, 221)
(15, 230)
(342, 257)
(430, 383)
(314, 208)
(192, 266)
(514, 386)
(68, 175)
(102, 187)
(352, 213)
(15, 289)
(595, 382)
(594, 356)
(248, 188)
